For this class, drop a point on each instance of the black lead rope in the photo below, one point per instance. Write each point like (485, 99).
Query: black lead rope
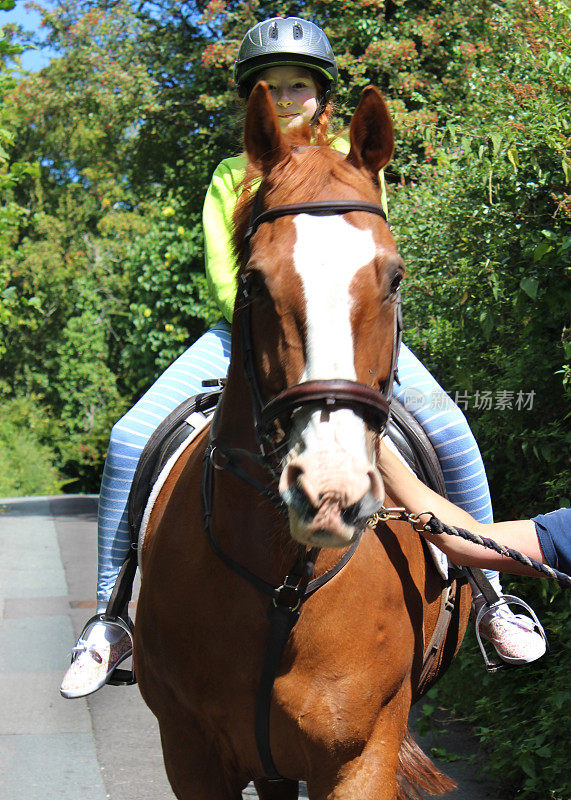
(436, 527)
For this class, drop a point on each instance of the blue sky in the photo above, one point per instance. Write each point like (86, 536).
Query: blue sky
(29, 20)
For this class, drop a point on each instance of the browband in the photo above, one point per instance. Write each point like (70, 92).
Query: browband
(317, 208)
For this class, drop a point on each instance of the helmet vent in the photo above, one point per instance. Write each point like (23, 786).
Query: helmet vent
(297, 31)
(273, 32)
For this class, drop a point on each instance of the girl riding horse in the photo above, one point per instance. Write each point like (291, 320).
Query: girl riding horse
(315, 681)
(295, 59)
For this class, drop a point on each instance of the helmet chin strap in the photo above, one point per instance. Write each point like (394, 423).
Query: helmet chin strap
(321, 107)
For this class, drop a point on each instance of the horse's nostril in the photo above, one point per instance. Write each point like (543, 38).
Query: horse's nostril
(290, 477)
(351, 514)
(329, 478)
(297, 500)
(295, 474)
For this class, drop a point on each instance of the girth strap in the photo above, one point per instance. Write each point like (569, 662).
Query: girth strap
(448, 601)
(282, 620)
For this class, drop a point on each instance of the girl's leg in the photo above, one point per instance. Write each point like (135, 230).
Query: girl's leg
(102, 645)
(466, 486)
(206, 358)
(449, 434)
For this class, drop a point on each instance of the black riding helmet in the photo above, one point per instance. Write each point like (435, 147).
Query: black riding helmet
(286, 41)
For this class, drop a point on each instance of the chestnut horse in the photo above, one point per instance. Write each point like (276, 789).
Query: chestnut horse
(313, 341)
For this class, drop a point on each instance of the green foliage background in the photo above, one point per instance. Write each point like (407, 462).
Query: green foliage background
(105, 156)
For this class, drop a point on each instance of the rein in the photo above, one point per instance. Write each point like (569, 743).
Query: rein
(372, 405)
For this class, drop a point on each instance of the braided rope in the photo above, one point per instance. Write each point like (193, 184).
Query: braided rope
(436, 527)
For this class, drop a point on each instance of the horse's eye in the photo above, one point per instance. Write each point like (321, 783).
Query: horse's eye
(395, 282)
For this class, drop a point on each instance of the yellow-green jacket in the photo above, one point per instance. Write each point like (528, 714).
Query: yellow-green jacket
(219, 205)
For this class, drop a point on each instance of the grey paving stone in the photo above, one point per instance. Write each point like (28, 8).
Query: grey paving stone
(30, 703)
(33, 644)
(57, 767)
(30, 564)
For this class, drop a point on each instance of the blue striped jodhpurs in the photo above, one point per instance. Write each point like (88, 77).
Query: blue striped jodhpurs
(442, 420)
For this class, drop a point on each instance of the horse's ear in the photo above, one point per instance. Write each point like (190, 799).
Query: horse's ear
(265, 143)
(371, 132)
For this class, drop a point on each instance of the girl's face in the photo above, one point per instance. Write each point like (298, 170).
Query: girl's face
(294, 93)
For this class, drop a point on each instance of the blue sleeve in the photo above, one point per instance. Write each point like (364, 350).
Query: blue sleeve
(554, 534)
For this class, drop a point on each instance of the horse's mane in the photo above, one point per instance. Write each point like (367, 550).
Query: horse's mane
(305, 176)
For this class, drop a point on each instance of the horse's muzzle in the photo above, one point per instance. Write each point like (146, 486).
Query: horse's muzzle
(329, 497)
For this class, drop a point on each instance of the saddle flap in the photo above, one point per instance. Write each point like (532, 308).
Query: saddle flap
(414, 446)
(180, 425)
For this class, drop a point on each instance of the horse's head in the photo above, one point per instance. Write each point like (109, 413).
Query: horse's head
(321, 301)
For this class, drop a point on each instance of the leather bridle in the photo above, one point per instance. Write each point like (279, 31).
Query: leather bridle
(272, 420)
(372, 405)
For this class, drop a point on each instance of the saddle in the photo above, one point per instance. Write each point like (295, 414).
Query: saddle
(186, 421)
(178, 431)
(180, 427)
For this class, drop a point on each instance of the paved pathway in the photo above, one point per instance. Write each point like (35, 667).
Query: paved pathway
(104, 746)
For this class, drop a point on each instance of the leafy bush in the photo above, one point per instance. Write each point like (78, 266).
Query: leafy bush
(521, 715)
(170, 306)
(483, 223)
(484, 230)
(27, 462)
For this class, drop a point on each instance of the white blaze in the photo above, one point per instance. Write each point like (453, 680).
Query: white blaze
(327, 254)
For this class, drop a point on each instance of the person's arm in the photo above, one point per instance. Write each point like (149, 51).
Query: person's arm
(217, 220)
(407, 491)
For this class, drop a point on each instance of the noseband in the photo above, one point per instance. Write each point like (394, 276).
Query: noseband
(273, 419)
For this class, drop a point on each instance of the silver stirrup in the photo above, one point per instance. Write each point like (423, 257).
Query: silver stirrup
(119, 677)
(496, 666)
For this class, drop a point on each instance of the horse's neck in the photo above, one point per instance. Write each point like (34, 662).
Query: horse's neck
(234, 418)
(246, 525)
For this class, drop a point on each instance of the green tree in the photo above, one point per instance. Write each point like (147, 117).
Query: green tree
(77, 120)
(169, 304)
(13, 309)
(483, 222)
